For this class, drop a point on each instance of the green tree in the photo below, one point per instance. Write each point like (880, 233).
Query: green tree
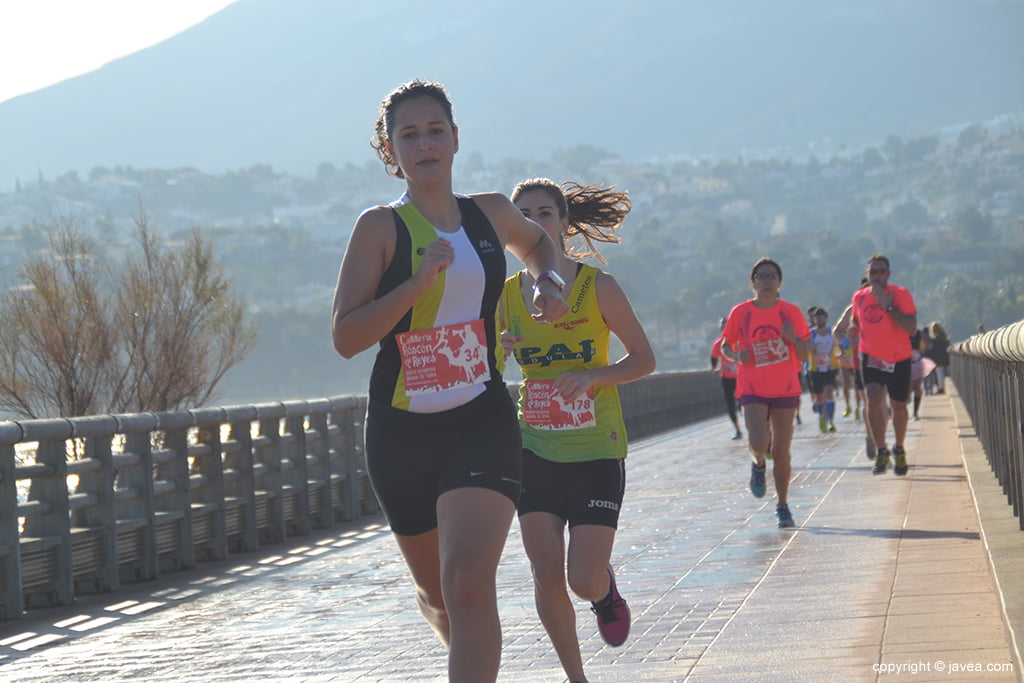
(962, 305)
(972, 225)
(894, 150)
(972, 135)
(872, 159)
(917, 149)
(909, 214)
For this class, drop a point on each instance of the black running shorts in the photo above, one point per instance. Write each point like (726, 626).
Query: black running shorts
(822, 379)
(896, 382)
(413, 458)
(577, 492)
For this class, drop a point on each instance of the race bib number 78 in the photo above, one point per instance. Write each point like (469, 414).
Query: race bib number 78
(545, 408)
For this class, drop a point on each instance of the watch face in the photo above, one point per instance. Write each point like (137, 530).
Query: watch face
(553, 276)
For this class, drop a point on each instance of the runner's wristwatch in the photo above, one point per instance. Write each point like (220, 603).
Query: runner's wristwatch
(890, 308)
(551, 275)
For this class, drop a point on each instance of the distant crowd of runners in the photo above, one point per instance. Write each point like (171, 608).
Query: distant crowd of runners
(768, 353)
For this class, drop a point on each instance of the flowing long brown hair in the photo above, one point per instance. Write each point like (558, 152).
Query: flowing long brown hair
(594, 212)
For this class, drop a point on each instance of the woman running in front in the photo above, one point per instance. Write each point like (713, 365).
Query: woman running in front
(769, 338)
(574, 439)
(423, 277)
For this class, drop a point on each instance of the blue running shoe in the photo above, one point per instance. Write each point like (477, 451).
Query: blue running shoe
(785, 517)
(757, 481)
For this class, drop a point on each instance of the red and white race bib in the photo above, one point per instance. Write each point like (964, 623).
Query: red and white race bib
(544, 408)
(770, 352)
(879, 364)
(443, 358)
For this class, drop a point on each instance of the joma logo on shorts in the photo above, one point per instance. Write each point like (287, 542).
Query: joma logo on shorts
(606, 504)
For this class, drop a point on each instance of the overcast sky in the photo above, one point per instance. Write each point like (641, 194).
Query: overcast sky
(43, 42)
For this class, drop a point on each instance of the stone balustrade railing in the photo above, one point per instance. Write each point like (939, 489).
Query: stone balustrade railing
(89, 503)
(989, 372)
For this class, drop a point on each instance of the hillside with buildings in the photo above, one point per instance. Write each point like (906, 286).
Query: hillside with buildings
(947, 208)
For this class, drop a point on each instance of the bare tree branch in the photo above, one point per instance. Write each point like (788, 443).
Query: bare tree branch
(160, 335)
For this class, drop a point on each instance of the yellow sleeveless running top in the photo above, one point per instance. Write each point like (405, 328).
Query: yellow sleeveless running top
(576, 342)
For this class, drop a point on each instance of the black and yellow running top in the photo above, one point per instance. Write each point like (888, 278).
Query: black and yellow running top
(414, 233)
(577, 341)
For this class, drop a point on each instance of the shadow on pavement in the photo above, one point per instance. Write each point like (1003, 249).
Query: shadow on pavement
(892, 533)
(91, 613)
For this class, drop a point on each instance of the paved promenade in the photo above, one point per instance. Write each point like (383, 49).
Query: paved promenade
(884, 578)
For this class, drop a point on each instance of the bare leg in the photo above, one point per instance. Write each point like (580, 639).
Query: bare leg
(472, 526)
(782, 439)
(590, 552)
(729, 393)
(421, 556)
(862, 395)
(899, 421)
(544, 541)
(877, 418)
(759, 436)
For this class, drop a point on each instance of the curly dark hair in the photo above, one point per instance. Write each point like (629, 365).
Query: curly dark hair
(594, 212)
(386, 117)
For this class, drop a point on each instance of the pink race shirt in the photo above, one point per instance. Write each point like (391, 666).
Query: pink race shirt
(726, 368)
(772, 369)
(880, 336)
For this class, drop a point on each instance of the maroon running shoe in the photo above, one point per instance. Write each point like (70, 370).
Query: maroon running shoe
(613, 615)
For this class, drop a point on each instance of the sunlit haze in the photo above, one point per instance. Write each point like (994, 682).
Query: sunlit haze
(43, 42)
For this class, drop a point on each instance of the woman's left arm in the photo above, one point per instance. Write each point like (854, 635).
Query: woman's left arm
(801, 346)
(621, 319)
(530, 244)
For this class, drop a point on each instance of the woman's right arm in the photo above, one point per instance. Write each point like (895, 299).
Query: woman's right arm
(359, 320)
(726, 341)
(730, 354)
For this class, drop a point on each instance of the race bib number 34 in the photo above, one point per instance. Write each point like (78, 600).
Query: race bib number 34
(544, 408)
(443, 358)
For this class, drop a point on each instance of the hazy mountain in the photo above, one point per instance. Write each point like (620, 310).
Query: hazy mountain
(293, 83)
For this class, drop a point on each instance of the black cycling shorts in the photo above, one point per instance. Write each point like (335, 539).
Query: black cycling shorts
(822, 379)
(578, 492)
(896, 382)
(413, 458)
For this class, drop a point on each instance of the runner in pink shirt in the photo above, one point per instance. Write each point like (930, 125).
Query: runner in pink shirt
(769, 339)
(886, 316)
(727, 371)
